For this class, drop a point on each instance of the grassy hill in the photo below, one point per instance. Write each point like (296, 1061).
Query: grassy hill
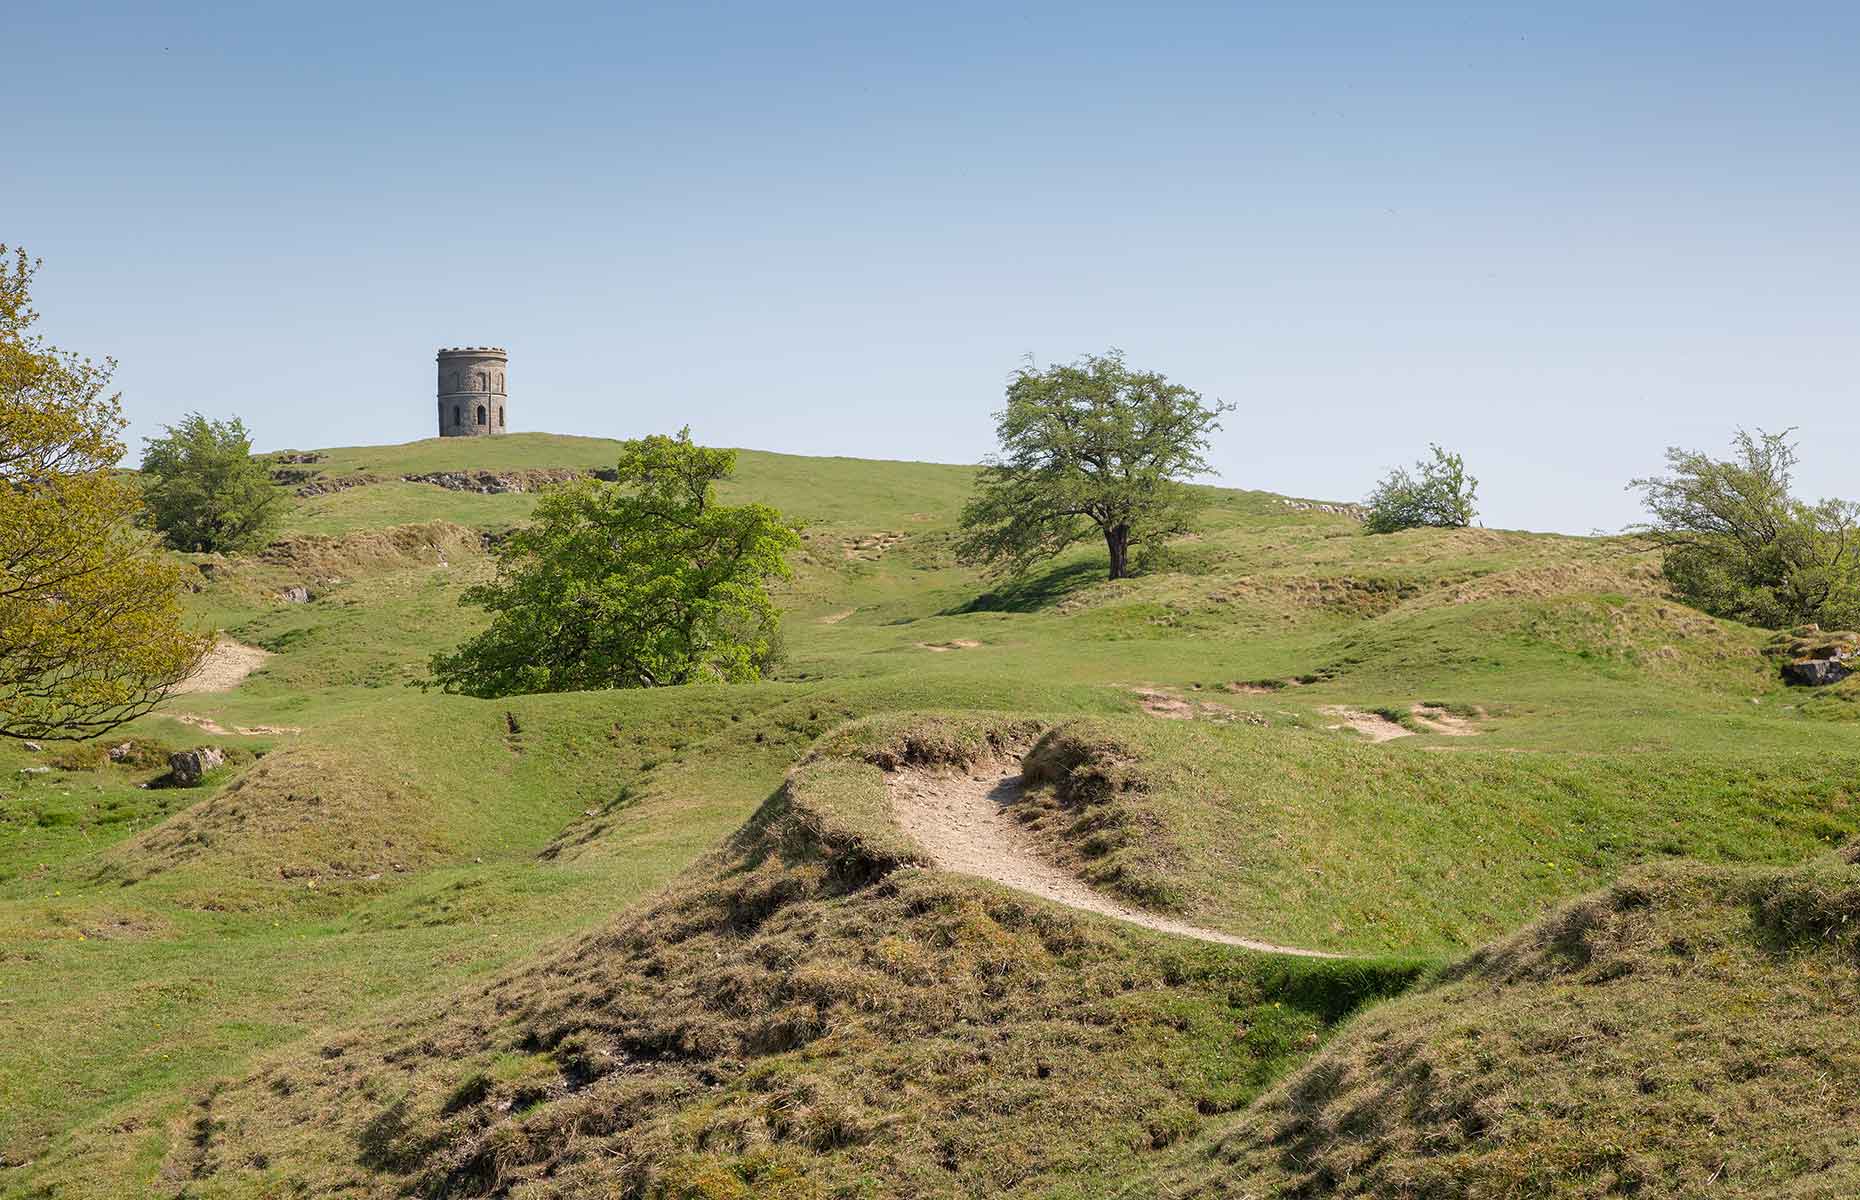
(673, 943)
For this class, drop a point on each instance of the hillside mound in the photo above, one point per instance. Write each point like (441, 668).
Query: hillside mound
(807, 1013)
(1686, 1032)
(320, 557)
(299, 820)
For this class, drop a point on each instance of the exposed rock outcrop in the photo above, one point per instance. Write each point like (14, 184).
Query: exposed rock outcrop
(494, 483)
(189, 767)
(1355, 512)
(1814, 657)
(323, 486)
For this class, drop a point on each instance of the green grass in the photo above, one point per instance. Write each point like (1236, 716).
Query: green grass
(848, 492)
(1296, 835)
(406, 849)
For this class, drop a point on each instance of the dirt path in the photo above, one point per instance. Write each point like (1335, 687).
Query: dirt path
(222, 669)
(962, 819)
(209, 725)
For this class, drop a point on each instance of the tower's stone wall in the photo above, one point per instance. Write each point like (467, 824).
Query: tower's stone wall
(472, 396)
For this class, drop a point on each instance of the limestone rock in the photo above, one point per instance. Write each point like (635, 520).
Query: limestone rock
(1816, 672)
(189, 767)
(296, 594)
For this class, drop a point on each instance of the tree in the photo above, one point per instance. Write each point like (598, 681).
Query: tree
(639, 583)
(206, 491)
(91, 630)
(1088, 446)
(1737, 544)
(1440, 495)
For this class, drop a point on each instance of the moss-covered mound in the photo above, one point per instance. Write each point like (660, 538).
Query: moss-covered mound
(1687, 1032)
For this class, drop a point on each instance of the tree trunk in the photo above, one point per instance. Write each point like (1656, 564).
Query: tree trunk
(1117, 540)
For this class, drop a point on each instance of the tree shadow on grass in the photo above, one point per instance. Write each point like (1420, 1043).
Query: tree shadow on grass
(1029, 593)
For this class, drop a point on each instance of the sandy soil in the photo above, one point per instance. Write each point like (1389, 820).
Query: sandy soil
(962, 819)
(1162, 704)
(1374, 726)
(225, 665)
(946, 647)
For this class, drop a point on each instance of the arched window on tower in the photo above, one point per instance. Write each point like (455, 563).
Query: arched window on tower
(481, 414)
(483, 383)
(458, 414)
(500, 416)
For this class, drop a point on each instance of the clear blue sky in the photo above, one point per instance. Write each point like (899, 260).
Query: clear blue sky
(1556, 237)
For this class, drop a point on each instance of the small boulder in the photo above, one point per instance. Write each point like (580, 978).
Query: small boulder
(34, 747)
(189, 767)
(296, 594)
(35, 770)
(1816, 672)
(120, 752)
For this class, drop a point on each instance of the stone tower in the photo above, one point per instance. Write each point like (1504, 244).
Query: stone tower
(471, 391)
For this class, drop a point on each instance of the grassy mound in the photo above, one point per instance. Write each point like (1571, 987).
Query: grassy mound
(804, 1014)
(1686, 1032)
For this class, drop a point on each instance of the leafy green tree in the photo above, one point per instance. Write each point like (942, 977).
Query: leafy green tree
(1737, 544)
(639, 583)
(205, 490)
(1088, 448)
(91, 630)
(1439, 494)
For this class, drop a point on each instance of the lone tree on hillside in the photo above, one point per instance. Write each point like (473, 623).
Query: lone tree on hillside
(1088, 446)
(639, 583)
(91, 633)
(205, 490)
(1737, 544)
(1438, 495)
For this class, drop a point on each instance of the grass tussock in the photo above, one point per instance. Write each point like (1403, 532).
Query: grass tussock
(1088, 801)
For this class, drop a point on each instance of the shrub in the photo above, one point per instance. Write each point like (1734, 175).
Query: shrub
(91, 629)
(1439, 494)
(205, 491)
(1737, 544)
(644, 582)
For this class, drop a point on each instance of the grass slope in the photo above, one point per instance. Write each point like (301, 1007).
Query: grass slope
(399, 851)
